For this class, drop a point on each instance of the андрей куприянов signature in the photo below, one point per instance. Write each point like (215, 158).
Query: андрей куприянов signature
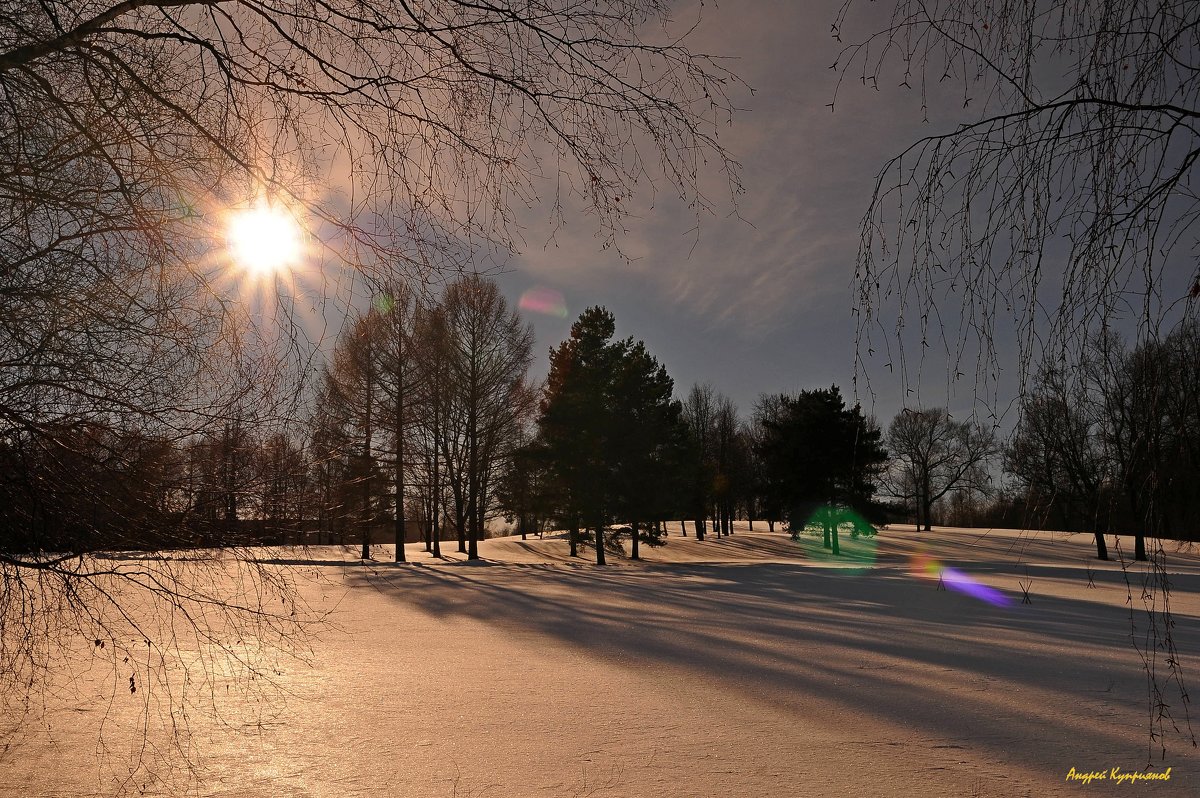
(1117, 775)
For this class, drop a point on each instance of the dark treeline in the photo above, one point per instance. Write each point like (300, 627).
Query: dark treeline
(89, 486)
(425, 427)
(416, 410)
(1114, 445)
(418, 413)
(613, 455)
(1107, 445)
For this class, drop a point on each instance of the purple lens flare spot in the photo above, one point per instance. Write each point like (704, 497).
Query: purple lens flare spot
(957, 580)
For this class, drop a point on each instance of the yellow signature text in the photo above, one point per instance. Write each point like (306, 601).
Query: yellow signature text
(1117, 776)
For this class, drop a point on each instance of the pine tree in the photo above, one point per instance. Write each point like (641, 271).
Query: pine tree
(820, 455)
(649, 439)
(609, 431)
(575, 426)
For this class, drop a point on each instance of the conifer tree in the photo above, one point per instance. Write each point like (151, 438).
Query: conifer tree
(609, 431)
(820, 455)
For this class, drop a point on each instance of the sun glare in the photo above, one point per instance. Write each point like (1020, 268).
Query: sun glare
(264, 239)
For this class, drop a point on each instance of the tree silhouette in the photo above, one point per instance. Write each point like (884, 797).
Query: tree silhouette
(523, 489)
(398, 308)
(819, 455)
(1059, 200)
(131, 128)
(700, 416)
(1056, 197)
(933, 456)
(431, 350)
(649, 444)
(488, 357)
(768, 485)
(575, 424)
(609, 431)
(349, 417)
(729, 464)
(1057, 456)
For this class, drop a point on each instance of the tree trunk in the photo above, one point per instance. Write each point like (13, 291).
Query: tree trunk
(771, 525)
(401, 522)
(1140, 516)
(600, 544)
(437, 531)
(366, 534)
(471, 552)
(472, 536)
(700, 529)
(473, 465)
(1101, 547)
(436, 515)
(427, 531)
(633, 548)
(573, 537)
(927, 503)
(476, 528)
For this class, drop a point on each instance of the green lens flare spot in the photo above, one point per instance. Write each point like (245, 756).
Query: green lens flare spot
(384, 303)
(857, 540)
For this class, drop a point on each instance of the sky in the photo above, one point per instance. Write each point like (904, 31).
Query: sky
(759, 298)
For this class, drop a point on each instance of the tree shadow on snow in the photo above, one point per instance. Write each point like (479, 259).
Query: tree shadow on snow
(882, 642)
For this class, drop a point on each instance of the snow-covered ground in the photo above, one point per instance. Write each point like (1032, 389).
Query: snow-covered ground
(745, 666)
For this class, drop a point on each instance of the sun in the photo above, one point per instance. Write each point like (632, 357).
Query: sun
(264, 239)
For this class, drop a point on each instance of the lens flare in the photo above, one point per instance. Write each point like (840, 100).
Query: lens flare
(545, 301)
(264, 239)
(926, 566)
(857, 542)
(384, 303)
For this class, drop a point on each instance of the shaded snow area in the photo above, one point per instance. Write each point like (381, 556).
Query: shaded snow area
(745, 666)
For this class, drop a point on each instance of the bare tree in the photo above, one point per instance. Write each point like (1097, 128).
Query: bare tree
(488, 359)
(396, 319)
(1057, 454)
(285, 491)
(431, 350)
(717, 470)
(1149, 410)
(445, 111)
(727, 451)
(934, 456)
(348, 415)
(699, 414)
(329, 463)
(131, 127)
(769, 411)
(1057, 195)
(1060, 199)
